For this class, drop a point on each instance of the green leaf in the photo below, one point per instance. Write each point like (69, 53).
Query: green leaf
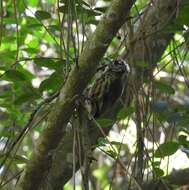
(183, 16)
(118, 145)
(28, 75)
(159, 172)
(184, 121)
(9, 20)
(49, 63)
(183, 140)
(33, 3)
(25, 97)
(155, 164)
(7, 56)
(124, 112)
(80, 10)
(5, 134)
(163, 87)
(142, 64)
(102, 142)
(112, 154)
(166, 149)
(34, 43)
(54, 82)
(42, 15)
(30, 50)
(54, 28)
(103, 122)
(14, 75)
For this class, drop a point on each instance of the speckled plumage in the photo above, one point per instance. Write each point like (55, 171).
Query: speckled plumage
(107, 87)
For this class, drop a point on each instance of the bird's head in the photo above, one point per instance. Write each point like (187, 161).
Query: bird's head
(119, 66)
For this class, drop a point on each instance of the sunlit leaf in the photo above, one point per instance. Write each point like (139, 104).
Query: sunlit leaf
(102, 142)
(112, 154)
(183, 16)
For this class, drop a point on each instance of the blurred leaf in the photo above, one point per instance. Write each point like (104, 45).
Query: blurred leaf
(25, 97)
(54, 28)
(166, 149)
(159, 172)
(183, 140)
(10, 55)
(183, 16)
(184, 121)
(112, 154)
(124, 112)
(30, 50)
(119, 145)
(81, 10)
(100, 173)
(163, 87)
(14, 76)
(155, 164)
(31, 21)
(116, 143)
(49, 63)
(6, 134)
(103, 122)
(142, 64)
(54, 82)
(102, 141)
(33, 3)
(34, 43)
(9, 20)
(42, 15)
(174, 117)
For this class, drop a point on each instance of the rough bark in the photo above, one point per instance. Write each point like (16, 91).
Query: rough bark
(41, 159)
(149, 42)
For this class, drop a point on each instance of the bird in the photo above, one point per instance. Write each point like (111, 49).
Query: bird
(107, 87)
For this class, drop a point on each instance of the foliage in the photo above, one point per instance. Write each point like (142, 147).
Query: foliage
(40, 41)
